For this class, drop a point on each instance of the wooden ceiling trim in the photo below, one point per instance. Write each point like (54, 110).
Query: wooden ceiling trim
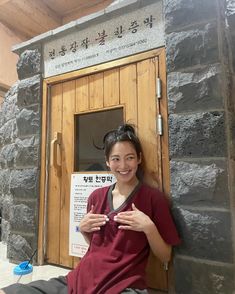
(20, 23)
(28, 18)
(62, 6)
(39, 13)
(2, 2)
(86, 10)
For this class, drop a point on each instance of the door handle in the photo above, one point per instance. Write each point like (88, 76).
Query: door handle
(55, 143)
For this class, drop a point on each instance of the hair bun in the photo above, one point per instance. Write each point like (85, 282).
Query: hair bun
(126, 128)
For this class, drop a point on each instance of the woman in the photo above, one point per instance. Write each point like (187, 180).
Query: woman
(123, 222)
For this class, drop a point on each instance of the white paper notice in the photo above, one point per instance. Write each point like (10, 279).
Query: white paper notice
(81, 187)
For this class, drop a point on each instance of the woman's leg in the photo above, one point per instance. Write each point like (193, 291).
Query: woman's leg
(53, 286)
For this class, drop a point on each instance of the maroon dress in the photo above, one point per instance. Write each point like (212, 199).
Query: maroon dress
(116, 259)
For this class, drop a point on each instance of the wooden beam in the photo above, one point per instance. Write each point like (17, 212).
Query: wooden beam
(2, 2)
(29, 18)
(85, 9)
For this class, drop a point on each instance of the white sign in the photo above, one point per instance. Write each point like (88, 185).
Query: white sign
(81, 187)
(124, 35)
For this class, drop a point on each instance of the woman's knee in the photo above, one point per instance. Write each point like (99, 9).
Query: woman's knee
(2, 292)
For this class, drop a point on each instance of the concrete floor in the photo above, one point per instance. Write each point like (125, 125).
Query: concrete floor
(44, 272)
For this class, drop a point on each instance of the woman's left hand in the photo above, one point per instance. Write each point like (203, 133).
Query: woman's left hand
(134, 220)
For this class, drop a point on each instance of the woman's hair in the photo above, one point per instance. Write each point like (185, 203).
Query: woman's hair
(124, 133)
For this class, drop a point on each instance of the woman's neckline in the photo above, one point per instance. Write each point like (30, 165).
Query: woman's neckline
(127, 200)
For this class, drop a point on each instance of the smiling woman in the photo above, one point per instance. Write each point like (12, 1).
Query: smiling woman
(123, 222)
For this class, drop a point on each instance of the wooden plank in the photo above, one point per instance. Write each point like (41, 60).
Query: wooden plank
(128, 93)
(147, 117)
(146, 81)
(30, 17)
(42, 211)
(158, 136)
(104, 66)
(164, 112)
(87, 8)
(156, 275)
(39, 12)
(82, 99)
(67, 169)
(2, 2)
(111, 87)
(96, 91)
(26, 27)
(76, 261)
(54, 191)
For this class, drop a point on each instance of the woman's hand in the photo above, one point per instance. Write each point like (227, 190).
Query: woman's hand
(92, 222)
(134, 220)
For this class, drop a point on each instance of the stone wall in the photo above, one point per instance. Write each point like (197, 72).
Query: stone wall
(20, 125)
(200, 49)
(201, 124)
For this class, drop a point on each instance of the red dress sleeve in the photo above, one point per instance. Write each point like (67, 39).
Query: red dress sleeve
(163, 219)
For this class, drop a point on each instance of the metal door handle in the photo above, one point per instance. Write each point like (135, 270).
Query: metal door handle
(54, 152)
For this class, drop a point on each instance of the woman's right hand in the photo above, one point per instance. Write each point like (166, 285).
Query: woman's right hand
(92, 222)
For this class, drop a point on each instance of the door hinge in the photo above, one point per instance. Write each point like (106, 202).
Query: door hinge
(158, 88)
(159, 124)
(165, 266)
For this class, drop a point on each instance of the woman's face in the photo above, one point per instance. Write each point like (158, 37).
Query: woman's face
(123, 162)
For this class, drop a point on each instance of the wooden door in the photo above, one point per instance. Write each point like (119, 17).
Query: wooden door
(130, 84)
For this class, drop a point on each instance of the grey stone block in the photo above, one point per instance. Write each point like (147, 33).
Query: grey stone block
(180, 13)
(8, 132)
(231, 141)
(22, 218)
(232, 44)
(27, 152)
(29, 63)
(7, 203)
(5, 230)
(230, 13)
(198, 134)
(200, 183)
(24, 183)
(29, 91)
(7, 156)
(196, 46)
(9, 107)
(193, 91)
(20, 248)
(28, 122)
(205, 234)
(4, 181)
(192, 277)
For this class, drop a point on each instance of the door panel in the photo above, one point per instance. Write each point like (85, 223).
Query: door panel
(128, 92)
(54, 193)
(111, 87)
(82, 100)
(67, 167)
(147, 114)
(132, 87)
(96, 91)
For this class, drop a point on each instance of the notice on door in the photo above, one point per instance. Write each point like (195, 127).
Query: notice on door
(82, 185)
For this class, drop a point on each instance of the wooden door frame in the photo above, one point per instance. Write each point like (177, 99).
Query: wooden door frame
(160, 53)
